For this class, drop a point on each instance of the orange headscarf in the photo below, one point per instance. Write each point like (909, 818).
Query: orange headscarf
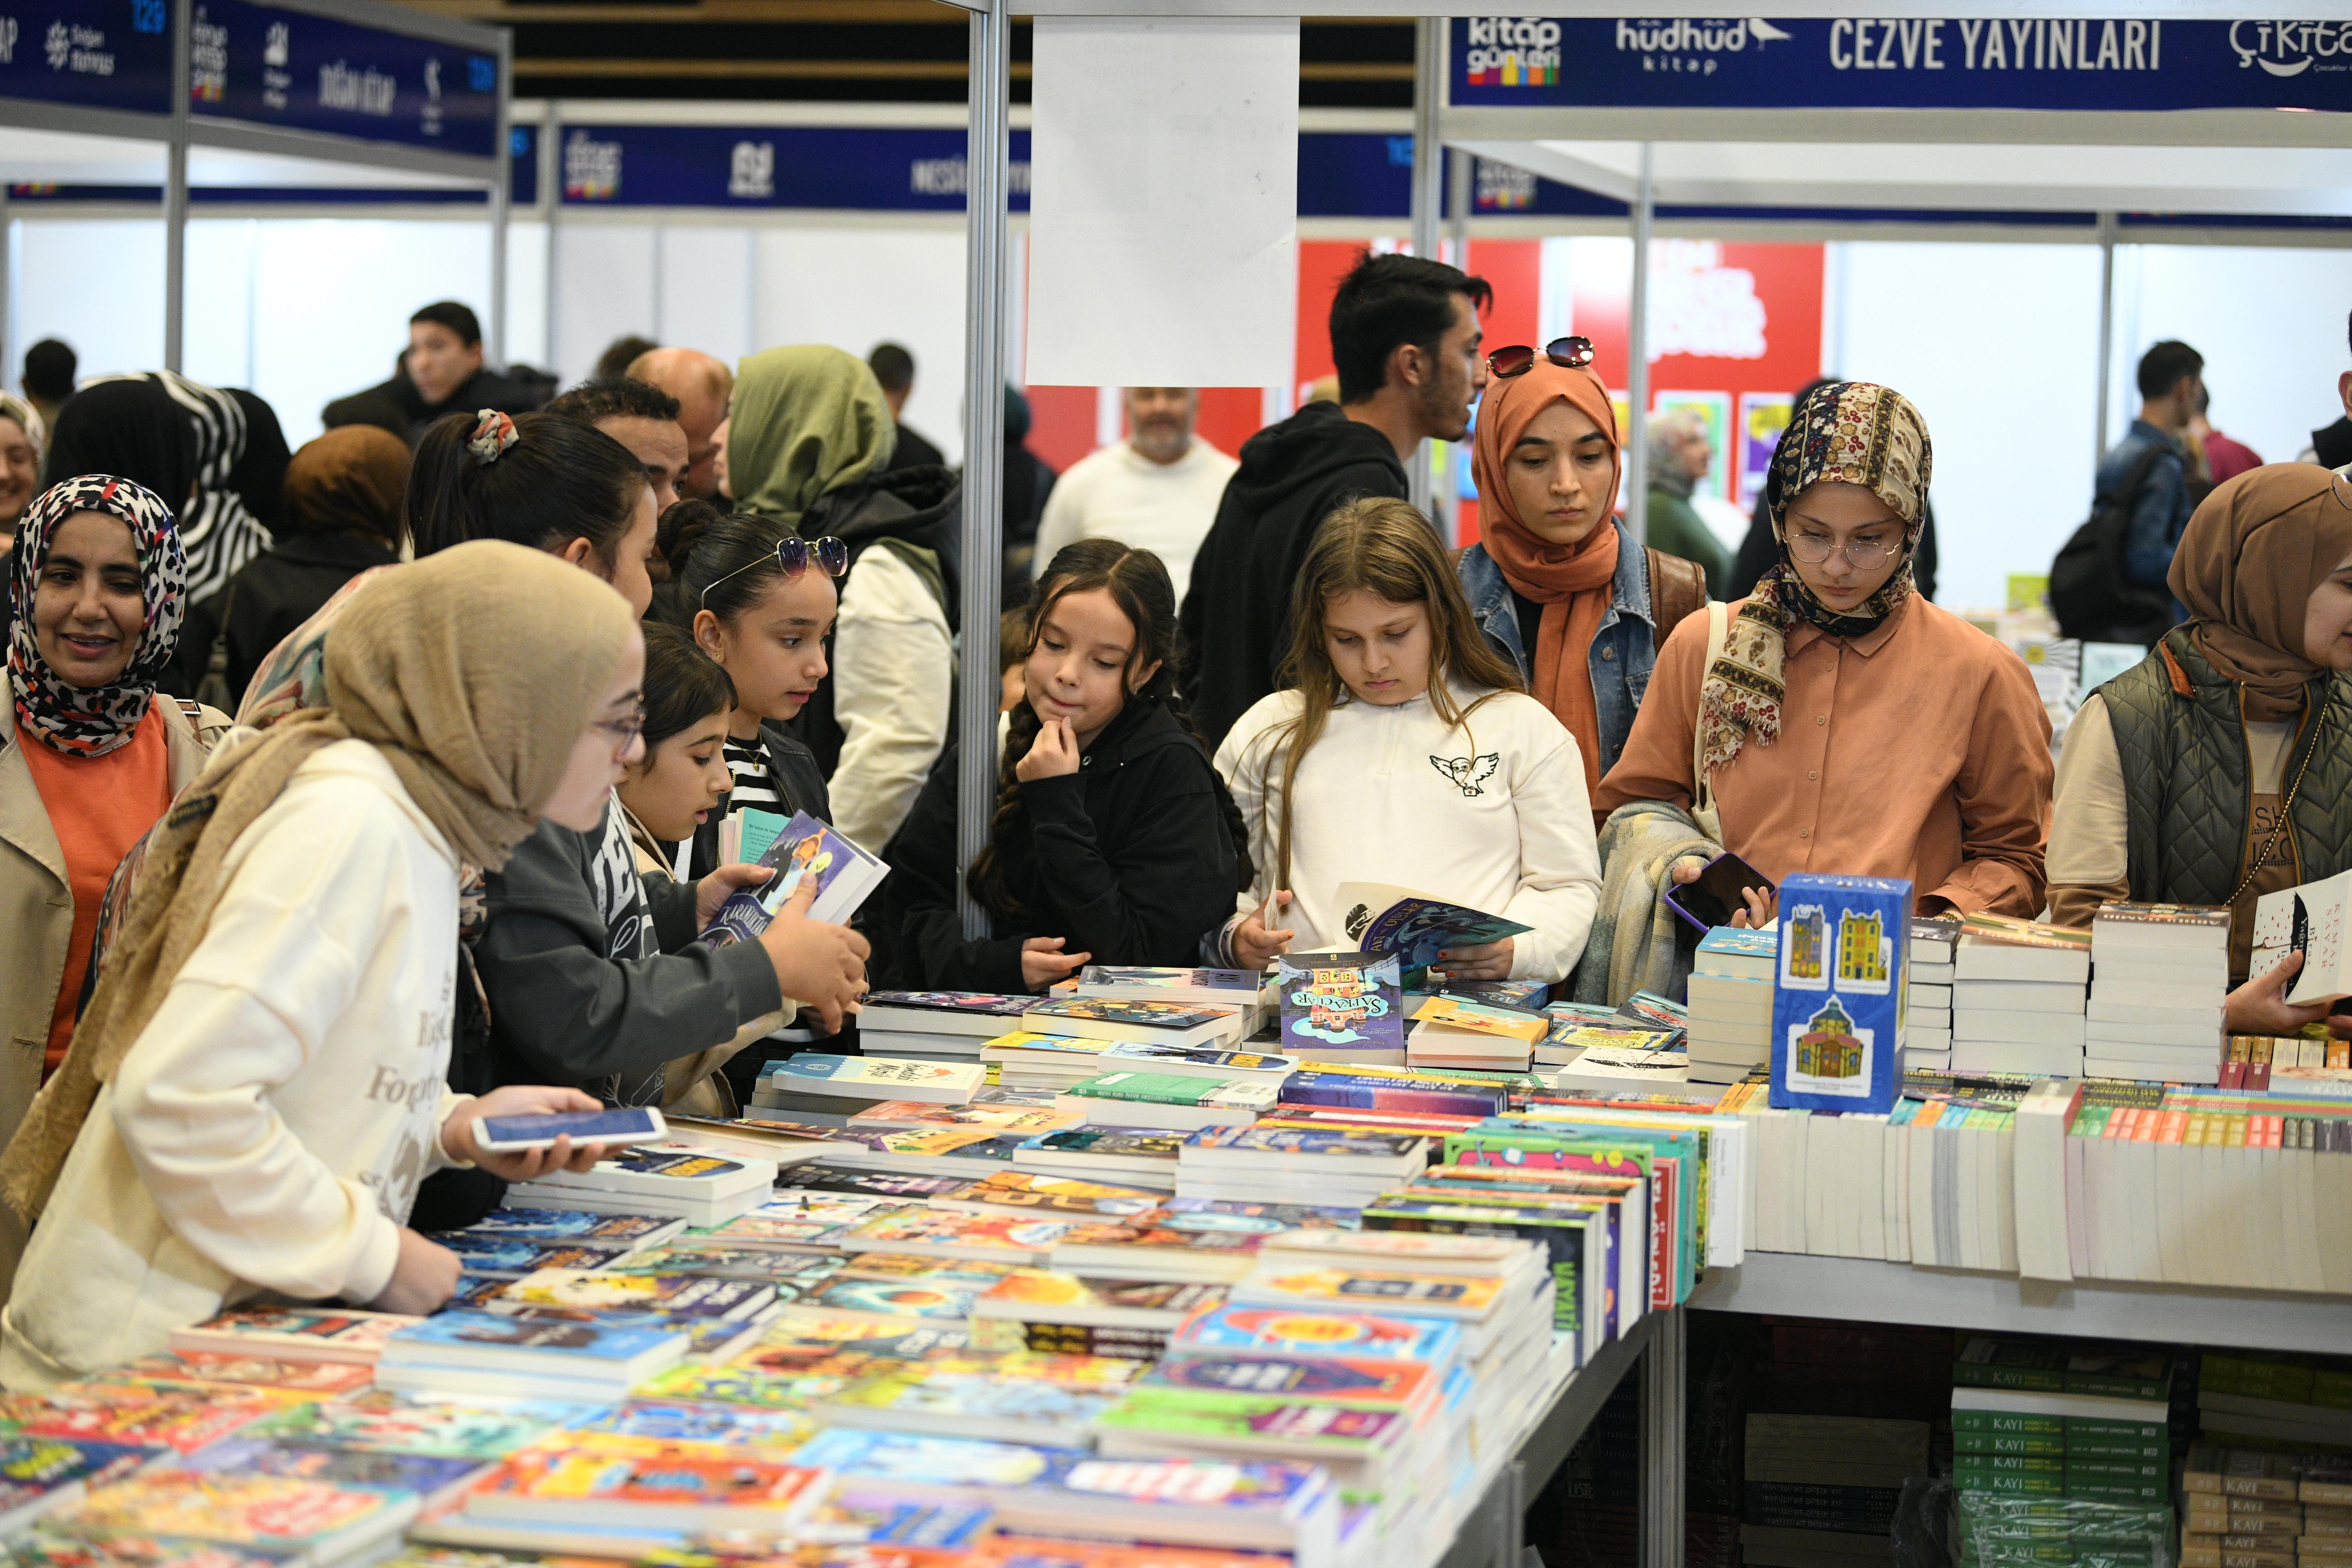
(1570, 582)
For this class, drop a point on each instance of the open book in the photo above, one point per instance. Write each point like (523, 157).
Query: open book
(1381, 918)
(2309, 920)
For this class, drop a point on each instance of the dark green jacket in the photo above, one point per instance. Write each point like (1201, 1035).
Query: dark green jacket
(2188, 778)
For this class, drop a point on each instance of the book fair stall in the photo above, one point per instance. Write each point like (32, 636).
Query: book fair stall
(1346, 1264)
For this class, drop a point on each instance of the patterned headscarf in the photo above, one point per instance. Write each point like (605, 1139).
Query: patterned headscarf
(1847, 432)
(92, 721)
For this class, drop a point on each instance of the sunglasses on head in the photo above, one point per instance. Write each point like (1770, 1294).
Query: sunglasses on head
(793, 554)
(1568, 353)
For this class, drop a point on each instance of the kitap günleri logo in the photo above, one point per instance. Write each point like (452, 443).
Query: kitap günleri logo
(1513, 51)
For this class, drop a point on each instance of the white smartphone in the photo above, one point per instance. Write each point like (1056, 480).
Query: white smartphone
(621, 1124)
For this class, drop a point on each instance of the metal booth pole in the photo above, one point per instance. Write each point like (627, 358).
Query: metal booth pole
(502, 200)
(1428, 200)
(986, 160)
(176, 192)
(2107, 330)
(1637, 357)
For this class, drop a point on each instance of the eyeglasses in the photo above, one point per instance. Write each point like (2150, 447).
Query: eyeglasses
(1863, 554)
(624, 731)
(793, 554)
(1568, 353)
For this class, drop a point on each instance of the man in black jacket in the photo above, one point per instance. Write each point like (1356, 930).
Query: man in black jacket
(1405, 338)
(442, 373)
(2331, 445)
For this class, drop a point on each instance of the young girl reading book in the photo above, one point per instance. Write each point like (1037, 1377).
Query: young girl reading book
(1113, 841)
(1405, 752)
(760, 602)
(668, 794)
(257, 1087)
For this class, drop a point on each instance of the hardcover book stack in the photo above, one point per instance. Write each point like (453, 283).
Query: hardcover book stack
(2159, 976)
(2080, 1422)
(1927, 992)
(1249, 994)
(1822, 1489)
(671, 1179)
(1730, 1026)
(2275, 1399)
(2256, 1508)
(2018, 996)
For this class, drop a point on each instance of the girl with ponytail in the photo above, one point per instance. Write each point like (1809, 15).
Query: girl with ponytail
(1113, 841)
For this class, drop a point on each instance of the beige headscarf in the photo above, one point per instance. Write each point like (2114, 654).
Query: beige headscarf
(423, 666)
(2247, 566)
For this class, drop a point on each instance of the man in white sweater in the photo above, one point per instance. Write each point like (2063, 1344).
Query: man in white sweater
(1157, 490)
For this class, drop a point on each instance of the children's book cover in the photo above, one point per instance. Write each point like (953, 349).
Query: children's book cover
(312, 1379)
(1355, 1379)
(33, 1469)
(1352, 1000)
(1033, 1190)
(806, 850)
(640, 1473)
(898, 1297)
(873, 1077)
(1480, 1018)
(904, 1186)
(670, 1163)
(612, 1290)
(972, 1004)
(1133, 1014)
(423, 1474)
(512, 1256)
(574, 1225)
(1413, 928)
(1319, 1334)
(385, 1422)
(770, 1433)
(1837, 996)
(279, 1514)
(180, 1417)
(858, 1456)
(564, 1339)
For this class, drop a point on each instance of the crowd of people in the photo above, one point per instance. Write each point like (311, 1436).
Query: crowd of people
(351, 786)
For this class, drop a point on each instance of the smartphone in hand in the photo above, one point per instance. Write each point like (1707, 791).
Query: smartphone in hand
(1715, 897)
(616, 1125)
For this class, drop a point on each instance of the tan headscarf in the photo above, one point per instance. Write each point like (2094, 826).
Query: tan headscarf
(425, 665)
(352, 480)
(1573, 583)
(2247, 564)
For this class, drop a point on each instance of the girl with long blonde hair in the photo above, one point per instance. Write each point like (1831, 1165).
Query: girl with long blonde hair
(1405, 750)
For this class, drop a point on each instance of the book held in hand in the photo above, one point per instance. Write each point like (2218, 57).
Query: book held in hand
(1837, 1007)
(2310, 920)
(807, 850)
(1413, 927)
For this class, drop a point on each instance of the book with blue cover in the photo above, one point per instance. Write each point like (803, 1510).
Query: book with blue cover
(805, 850)
(602, 1351)
(1343, 1005)
(1413, 927)
(1837, 993)
(428, 1476)
(1738, 952)
(872, 1460)
(494, 1255)
(1316, 1334)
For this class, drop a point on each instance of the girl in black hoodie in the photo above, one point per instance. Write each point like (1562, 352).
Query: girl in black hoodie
(1114, 841)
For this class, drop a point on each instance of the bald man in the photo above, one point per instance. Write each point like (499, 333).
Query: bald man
(702, 385)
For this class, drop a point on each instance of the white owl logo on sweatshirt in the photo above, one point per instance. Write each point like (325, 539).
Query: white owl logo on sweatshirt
(1468, 772)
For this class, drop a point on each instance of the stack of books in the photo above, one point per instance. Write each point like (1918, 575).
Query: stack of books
(1729, 1029)
(2275, 1399)
(1164, 1100)
(2255, 1508)
(2082, 1422)
(1256, 1164)
(669, 1179)
(1451, 1033)
(2160, 975)
(1822, 1489)
(526, 1356)
(818, 1089)
(1649, 1062)
(1928, 979)
(1248, 993)
(944, 1026)
(1147, 1022)
(1053, 1312)
(2018, 996)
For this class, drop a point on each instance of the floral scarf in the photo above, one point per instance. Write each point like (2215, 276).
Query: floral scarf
(1848, 431)
(92, 721)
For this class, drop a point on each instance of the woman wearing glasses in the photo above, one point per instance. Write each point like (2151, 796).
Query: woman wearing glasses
(1839, 722)
(2220, 769)
(1555, 582)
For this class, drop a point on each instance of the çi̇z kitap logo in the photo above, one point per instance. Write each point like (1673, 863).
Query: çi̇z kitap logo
(2291, 48)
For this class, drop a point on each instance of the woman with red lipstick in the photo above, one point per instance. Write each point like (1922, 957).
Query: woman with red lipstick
(91, 758)
(1845, 724)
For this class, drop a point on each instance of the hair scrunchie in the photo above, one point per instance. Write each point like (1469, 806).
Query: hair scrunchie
(494, 434)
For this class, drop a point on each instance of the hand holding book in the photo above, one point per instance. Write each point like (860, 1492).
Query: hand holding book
(1043, 964)
(1256, 941)
(819, 966)
(711, 894)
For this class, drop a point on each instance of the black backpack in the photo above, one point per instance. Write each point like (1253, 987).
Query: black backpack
(2089, 592)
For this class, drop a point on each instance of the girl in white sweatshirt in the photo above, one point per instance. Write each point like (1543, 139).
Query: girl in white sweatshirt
(258, 1083)
(1406, 752)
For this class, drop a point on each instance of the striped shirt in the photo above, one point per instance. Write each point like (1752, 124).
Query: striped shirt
(747, 765)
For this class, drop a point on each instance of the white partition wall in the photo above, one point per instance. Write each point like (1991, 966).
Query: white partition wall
(96, 283)
(1998, 345)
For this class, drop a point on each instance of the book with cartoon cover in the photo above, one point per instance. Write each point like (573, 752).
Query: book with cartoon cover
(1032, 1191)
(182, 1417)
(386, 1423)
(512, 1256)
(1838, 993)
(1118, 1018)
(1361, 1380)
(805, 850)
(1341, 1006)
(579, 1226)
(272, 1513)
(312, 1379)
(37, 1474)
(600, 1350)
(1318, 1333)
(292, 1333)
(428, 1476)
(1413, 927)
(627, 1290)
(614, 1479)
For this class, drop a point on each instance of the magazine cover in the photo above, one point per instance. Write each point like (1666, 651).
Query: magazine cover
(1837, 994)
(1350, 1000)
(806, 850)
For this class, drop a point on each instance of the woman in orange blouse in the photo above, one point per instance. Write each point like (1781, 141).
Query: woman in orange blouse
(1845, 724)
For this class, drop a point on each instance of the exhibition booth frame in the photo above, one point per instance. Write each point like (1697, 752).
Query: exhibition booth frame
(2109, 160)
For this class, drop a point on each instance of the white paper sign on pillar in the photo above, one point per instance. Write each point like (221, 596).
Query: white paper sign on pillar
(1163, 206)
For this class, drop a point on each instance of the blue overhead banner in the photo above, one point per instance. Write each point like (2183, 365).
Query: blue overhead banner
(1867, 62)
(830, 167)
(94, 54)
(278, 66)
